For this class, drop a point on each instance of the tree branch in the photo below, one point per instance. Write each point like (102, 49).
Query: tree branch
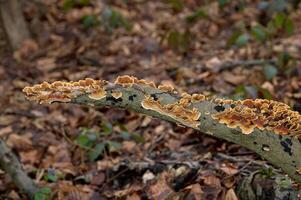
(10, 164)
(13, 22)
(268, 128)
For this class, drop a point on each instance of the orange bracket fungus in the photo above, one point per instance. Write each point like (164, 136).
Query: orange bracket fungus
(65, 91)
(269, 128)
(262, 114)
(177, 111)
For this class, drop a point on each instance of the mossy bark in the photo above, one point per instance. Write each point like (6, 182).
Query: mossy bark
(281, 151)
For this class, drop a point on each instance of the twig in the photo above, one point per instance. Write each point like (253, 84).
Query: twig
(246, 63)
(10, 164)
(241, 159)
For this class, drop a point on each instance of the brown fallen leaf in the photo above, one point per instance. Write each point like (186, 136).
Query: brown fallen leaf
(229, 169)
(232, 78)
(30, 157)
(133, 196)
(128, 146)
(19, 142)
(160, 189)
(5, 131)
(230, 195)
(66, 190)
(196, 192)
(212, 180)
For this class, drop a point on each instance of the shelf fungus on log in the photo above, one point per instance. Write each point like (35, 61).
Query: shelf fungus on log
(260, 113)
(116, 94)
(128, 81)
(178, 111)
(65, 91)
(269, 128)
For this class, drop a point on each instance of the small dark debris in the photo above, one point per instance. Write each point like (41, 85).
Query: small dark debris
(131, 97)
(112, 99)
(154, 97)
(286, 147)
(265, 147)
(219, 108)
(289, 141)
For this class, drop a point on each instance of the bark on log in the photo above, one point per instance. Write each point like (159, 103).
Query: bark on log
(10, 165)
(275, 139)
(13, 22)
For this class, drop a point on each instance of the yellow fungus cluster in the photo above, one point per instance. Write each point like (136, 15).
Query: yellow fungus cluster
(65, 91)
(262, 114)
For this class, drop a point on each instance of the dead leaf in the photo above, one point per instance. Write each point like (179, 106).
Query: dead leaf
(5, 131)
(160, 189)
(128, 146)
(229, 169)
(213, 64)
(196, 192)
(230, 195)
(19, 142)
(212, 180)
(98, 179)
(233, 78)
(133, 196)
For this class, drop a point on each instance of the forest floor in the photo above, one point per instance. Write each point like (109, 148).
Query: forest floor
(87, 153)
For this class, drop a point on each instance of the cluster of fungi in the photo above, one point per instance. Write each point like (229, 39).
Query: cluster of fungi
(246, 114)
(262, 114)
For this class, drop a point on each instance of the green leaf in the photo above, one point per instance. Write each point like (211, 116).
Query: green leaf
(178, 41)
(252, 91)
(97, 151)
(83, 140)
(125, 135)
(200, 13)
(283, 59)
(90, 21)
(270, 71)
(107, 128)
(242, 40)
(138, 138)
(177, 5)
(239, 93)
(289, 26)
(267, 172)
(277, 6)
(51, 176)
(271, 28)
(279, 20)
(233, 38)
(259, 33)
(86, 140)
(43, 194)
(112, 19)
(222, 3)
(265, 93)
(69, 4)
(114, 146)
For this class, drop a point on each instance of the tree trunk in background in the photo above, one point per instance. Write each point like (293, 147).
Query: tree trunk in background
(13, 22)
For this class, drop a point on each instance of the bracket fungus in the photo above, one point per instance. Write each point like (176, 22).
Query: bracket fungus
(116, 94)
(262, 114)
(65, 91)
(166, 88)
(178, 111)
(128, 81)
(165, 102)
